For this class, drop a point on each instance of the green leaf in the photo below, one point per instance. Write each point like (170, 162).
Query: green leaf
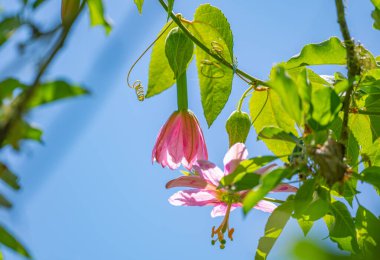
(331, 51)
(97, 15)
(8, 177)
(305, 225)
(372, 155)
(273, 229)
(307, 250)
(7, 27)
(360, 126)
(8, 240)
(341, 227)
(266, 112)
(179, 51)
(55, 90)
(286, 89)
(139, 4)
(8, 87)
(268, 182)
(371, 175)
(277, 134)
(376, 14)
(161, 76)
(22, 131)
(244, 176)
(368, 232)
(4, 202)
(237, 127)
(211, 27)
(170, 7)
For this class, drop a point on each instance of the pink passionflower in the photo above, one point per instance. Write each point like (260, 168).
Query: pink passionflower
(205, 192)
(180, 141)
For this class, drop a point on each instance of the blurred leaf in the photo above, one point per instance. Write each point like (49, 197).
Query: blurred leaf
(265, 112)
(161, 76)
(4, 202)
(268, 182)
(97, 15)
(341, 227)
(139, 4)
(244, 176)
(37, 3)
(211, 27)
(8, 177)
(55, 90)
(22, 131)
(7, 27)
(331, 51)
(286, 89)
(305, 225)
(368, 232)
(276, 133)
(237, 127)
(371, 175)
(306, 250)
(8, 87)
(273, 228)
(9, 241)
(179, 51)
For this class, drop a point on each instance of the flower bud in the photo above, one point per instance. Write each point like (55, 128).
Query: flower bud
(238, 126)
(69, 10)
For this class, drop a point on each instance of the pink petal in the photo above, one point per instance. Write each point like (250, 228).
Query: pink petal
(187, 181)
(209, 171)
(285, 188)
(237, 153)
(221, 209)
(195, 197)
(266, 168)
(265, 206)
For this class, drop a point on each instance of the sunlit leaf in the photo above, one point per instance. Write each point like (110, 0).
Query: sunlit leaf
(341, 227)
(372, 155)
(8, 177)
(268, 182)
(97, 14)
(376, 14)
(266, 112)
(139, 4)
(211, 27)
(8, 240)
(360, 127)
(305, 225)
(273, 229)
(161, 76)
(179, 51)
(331, 51)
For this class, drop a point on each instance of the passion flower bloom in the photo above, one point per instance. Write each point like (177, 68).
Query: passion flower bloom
(180, 141)
(205, 192)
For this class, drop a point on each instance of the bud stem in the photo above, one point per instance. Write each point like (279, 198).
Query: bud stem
(182, 92)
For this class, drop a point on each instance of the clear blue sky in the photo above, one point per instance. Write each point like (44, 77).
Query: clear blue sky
(91, 192)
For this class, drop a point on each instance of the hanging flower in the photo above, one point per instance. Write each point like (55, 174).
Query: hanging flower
(205, 192)
(180, 141)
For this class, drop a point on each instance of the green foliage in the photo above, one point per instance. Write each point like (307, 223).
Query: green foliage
(97, 14)
(237, 127)
(273, 229)
(342, 227)
(4, 202)
(8, 177)
(266, 112)
(306, 250)
(371, 175)
(22, 131)
(331, 51)
(7, 27)
(139, 4)
(179, 51)
(11, 242)
(211, 27)
(161, 76)
(368, 232)
(376, 14)
(268, 182)
(170, 7)
(372, 155)
(275, 133)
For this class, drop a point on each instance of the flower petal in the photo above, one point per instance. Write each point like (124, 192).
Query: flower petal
(265, 206)
(195, 197)
(266, 168)
(220, 209)
(187, 181)
(209, 171)
(285, 188)
(237, 153)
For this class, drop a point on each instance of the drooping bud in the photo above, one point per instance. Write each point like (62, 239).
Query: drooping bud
(69, 9)
(238, 126)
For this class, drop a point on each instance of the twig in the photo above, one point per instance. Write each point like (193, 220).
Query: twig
(21, 104)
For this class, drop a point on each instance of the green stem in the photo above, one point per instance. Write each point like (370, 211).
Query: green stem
(352, 66)
(182, 92)
(273, 200)
(240, 103)
(252, 80)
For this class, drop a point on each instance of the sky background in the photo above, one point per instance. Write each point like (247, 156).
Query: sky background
(90, 191)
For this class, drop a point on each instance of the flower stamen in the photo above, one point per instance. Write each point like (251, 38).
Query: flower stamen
(219, 232)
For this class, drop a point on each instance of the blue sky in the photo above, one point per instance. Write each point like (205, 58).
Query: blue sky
(91, 191)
